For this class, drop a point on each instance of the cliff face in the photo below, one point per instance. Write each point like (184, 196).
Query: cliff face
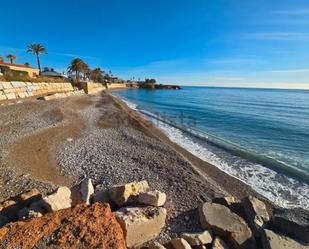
(82, 226)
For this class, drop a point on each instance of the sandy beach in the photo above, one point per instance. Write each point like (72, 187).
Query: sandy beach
(45, 144)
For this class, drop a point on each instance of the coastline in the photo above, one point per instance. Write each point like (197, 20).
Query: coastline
(115, 145)
(228, 183)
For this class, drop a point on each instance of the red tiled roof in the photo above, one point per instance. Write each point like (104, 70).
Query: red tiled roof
(15, 65)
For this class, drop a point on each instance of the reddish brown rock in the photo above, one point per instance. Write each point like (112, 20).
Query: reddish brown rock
(79, 227)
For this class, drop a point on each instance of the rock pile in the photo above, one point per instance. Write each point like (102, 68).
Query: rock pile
(139, 213)
(245, 224)
(140, 217)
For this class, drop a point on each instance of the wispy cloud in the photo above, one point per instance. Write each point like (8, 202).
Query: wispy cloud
(292, 12)
(72, 55)
(237, 61)
(277, 36)
(300, 70)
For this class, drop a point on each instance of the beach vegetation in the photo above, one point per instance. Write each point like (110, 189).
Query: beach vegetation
(37, 49)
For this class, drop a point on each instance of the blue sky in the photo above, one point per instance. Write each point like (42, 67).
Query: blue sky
(248, 43)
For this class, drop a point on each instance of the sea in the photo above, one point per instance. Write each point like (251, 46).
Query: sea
(260, 136)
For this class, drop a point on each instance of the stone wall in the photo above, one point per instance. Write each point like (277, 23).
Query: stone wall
(17, 89)
(116, 85)
(92, 88)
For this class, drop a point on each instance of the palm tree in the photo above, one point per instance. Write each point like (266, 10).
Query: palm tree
(85, 70)
(97, 75)
(37, 49)
(11, 58)
(78, 66)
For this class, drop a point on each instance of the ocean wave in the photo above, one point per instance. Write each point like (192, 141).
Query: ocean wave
(279, 188)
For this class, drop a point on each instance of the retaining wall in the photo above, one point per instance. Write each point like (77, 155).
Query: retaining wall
(17, 89)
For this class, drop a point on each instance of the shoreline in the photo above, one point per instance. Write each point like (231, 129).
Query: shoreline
(232, 185)
(276, 186)
(116, 145)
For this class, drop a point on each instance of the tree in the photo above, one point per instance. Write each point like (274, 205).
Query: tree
(11, 58)
(85, 70)
(78, 66)
(27, 64)
(1, 59)
(97, 75)
(46, 69)
(37, 49)
(150, 81)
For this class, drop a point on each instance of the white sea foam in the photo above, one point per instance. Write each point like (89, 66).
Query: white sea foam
(280, 189)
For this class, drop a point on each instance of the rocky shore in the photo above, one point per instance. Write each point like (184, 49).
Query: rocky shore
(80, 217)
(61, 142)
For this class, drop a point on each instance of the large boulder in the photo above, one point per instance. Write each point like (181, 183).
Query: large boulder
(10, 208)
(271, 240)
(153, 198)
(156, 245)
(257, 214)
(58, 200)
(123, 194)
(141, 224)
(101, 196)
(219, 244)
(82, 192)
(294, 222)
(180, 243)
(227, 224)
(225, 200)
(196, 239)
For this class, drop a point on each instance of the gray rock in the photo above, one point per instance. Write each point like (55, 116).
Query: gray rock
(219, 244)
(58, 200)
(224, 223)
(225, 201)
(271, 240)
(257, 214)
(196, 239)
(82, 192)
(180, 243)
(101, 196)
(293, 222)
(156, 245)
(123, 194)
(141, 224)
(153, 198)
